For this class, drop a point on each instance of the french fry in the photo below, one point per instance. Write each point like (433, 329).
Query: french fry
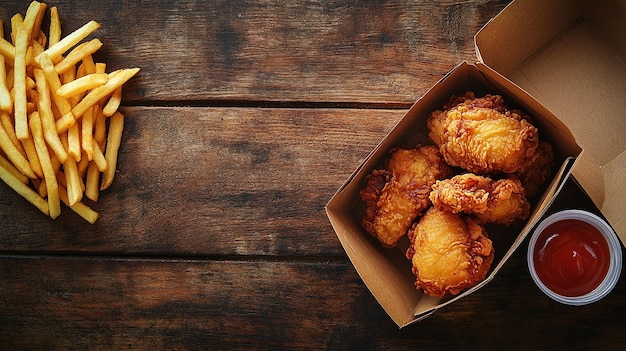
(113, 103)
(30, 85)
(7, 123)
(101, 67)
(52, 187)
(116, 126)
(73, 141)
(87, 133)
(47, 117)
(64, 123)
(7, 50)
(82, 166)
(11, 168)
(72, 179)
(16, 25)
(6, 104)
(60, 128)
(14, 155)
(32, 20)
(19, 85)
(56, 164)
(36, 31)
(116, 79)
(24, 190)
(54, 34)
(79, 208)
(41, 40)
(35, 48)
(77, 55)
(55, 51)
(82, 84)
(68, 77)
(32, 157)
(100, 127)
(99, 159)
(10, 81)
(55, 83)
(41, 188)
(92, 190)
(89, 65)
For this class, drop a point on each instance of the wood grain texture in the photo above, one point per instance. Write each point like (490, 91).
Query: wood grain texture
(213, 181)
(245, 118)
(339, 51)
(129, 304)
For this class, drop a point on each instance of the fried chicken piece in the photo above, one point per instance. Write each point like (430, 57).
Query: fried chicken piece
(495, 102)
(396, 195)
(437, 120)
(449, 252)
(462, 193)
(374, 184)
(534, 177)
(500, 201)
(482, 136)
(507, 204)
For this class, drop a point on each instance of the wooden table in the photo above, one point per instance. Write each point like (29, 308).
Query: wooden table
(245, 118)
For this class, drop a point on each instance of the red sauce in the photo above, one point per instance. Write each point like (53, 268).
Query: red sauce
(571, 257)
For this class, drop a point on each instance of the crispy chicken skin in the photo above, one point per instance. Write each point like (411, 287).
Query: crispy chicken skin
(449, 252)
(534, 177)
(500, 201)
(508, 204)
(482, 136)
(395, 196)
(462, 193)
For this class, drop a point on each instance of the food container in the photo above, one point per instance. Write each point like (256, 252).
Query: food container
(562, 62)
(574, 257)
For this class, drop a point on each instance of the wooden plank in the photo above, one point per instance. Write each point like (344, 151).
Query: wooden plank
(59, 303)
(123, 304)
(339, 51)
(213, 181)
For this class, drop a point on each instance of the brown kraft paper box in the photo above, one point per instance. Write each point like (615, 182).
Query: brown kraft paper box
(560, 61)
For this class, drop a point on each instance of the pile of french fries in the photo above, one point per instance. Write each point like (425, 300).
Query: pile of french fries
(60, 128)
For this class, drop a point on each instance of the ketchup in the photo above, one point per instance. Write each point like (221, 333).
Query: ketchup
(571, 257)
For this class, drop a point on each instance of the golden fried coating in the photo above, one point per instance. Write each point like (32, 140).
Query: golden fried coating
(534, 177)
(449, 252)
(462, 193)
(482, 136)
(500, 201)
(396, 195)
(374, 184)
(437, 120)
(507, 203)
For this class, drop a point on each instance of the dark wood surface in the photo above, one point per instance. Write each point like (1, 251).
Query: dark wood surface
(245, 118)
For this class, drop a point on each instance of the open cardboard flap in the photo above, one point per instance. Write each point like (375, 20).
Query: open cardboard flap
(387, 272)
(570, 55)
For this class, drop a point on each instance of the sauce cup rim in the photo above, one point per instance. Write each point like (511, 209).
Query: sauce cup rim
(615, 251)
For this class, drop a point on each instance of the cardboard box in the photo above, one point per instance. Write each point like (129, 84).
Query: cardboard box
(571, 56)
(563, 59)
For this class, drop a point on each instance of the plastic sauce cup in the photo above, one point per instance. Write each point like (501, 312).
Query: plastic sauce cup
(574, 257)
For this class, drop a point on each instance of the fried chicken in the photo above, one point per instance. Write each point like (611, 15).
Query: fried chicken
(534, 177)
(482, 136)
(396, 195)
(449, 252)
(468, 193)
(507, 204)
(500, 201)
